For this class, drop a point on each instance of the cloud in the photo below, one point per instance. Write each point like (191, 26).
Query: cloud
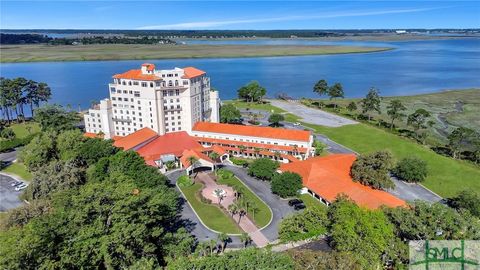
(213, 24)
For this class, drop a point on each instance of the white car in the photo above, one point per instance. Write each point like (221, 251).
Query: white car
(20, 187)
(296, 124)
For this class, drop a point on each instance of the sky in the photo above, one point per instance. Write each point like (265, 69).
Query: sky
(237, 15)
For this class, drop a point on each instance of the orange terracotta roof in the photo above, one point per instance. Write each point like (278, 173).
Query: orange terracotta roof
(150, 67)
(171, 143)
(250, 144)
(93, 135)
(254, 131)
(134, 139)
(330, 176)
(136, 74)
(188, 153)
(191, 72)
(116, 138)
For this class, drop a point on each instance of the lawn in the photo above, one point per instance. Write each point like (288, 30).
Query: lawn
(42, 52)
(446, 176)
(21, 129)
(18, 169)
(263, 215)
(263, 106)
(211, 215)
(311, 202)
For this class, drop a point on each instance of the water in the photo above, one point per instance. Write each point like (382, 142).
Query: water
(413, 67)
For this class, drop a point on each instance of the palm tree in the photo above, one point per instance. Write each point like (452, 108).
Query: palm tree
(192, 160)
(233, 209)
(214, 156)
(253, 209)
(241, 213)
(246, 239)
(223, 238)
(202, 248)
(212, 244)
(242, 149)
(218, 193)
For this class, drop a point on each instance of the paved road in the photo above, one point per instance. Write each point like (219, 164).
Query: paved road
(8, 196)
(313, 116)
(411, 192)
(8, 156)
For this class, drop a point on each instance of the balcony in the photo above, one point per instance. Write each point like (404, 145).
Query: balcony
(122, 120)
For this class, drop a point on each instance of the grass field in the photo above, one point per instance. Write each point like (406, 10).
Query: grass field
(19, 170)
(35, 53)
(21, 129)
(446, 176)
(263, 106)
(310, 202)
(263, 215)
(211, 215)
(449, 109)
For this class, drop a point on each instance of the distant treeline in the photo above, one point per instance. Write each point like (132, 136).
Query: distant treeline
(36, 38)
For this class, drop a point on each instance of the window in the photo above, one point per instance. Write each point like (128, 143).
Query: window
(135, 83)
(138, 102)
(151, 84)
(167, 130)
(176, 82)
(130, 83)
(170, 83)
(144, 84)
(130, 92)
(124, 91)
(139, 108)
(173, 129)
(157, 83)
(112, 90)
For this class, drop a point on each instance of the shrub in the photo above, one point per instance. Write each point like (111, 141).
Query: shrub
(239, 162)
(224, 174)
(7, 133)
(286, 184)
(263, 168)
(10, 144)
(184, 181)
(307, 224)
(411, 169)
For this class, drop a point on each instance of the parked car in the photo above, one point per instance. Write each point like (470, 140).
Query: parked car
(296, 124)
(293, 202)
(299, 206)
(20, 187)
(16, 183)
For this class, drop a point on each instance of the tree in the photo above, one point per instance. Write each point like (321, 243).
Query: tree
(321, 88)
(461, 138)
(418, 120)
(229, 114)
(352, 107)
(69, 144)
(56, 118)
(411, 169)
(192, 160)
(223, 238)
(324, 260)
(233, 209)
(310, 223)
(467, 199)
(275, 119)
(373, 170)
(214, 156)
(245, 239)
(40, 151)
(365, 233)
(395, 110)
(263, 168)
(286, 184)
(319, 147)
(252, 92)
(371, 102)
(336, 91)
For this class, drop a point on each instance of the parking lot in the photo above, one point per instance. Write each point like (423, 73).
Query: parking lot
(9, 198)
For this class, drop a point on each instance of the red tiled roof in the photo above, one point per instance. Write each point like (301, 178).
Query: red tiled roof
(150, 67)
(253, 131)
(191, 72)
(93, 135)
(134, 139)
(250, 144)
(190, 152)
(136, 74)
(171, 143)
(330, 176)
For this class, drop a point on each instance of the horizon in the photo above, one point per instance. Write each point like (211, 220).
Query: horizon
(266, 15)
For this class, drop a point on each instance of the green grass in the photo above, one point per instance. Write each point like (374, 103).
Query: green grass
(263, 214)
(212, 216)
(446, 176)
(42, 52)
(19, 170)
(311, 202)
(21, 130)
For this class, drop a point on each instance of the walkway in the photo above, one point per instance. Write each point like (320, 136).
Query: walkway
(229, 197)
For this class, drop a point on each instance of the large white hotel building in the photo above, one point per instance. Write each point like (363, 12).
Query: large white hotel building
(162, 100)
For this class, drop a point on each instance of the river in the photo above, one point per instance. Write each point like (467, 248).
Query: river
(413, 67)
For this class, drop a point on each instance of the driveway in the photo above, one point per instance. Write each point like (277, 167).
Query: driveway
(9, 198)
(9, 156)
(411, 192)
(312, 116)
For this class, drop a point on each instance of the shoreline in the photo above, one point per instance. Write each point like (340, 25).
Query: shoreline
(81, 53)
